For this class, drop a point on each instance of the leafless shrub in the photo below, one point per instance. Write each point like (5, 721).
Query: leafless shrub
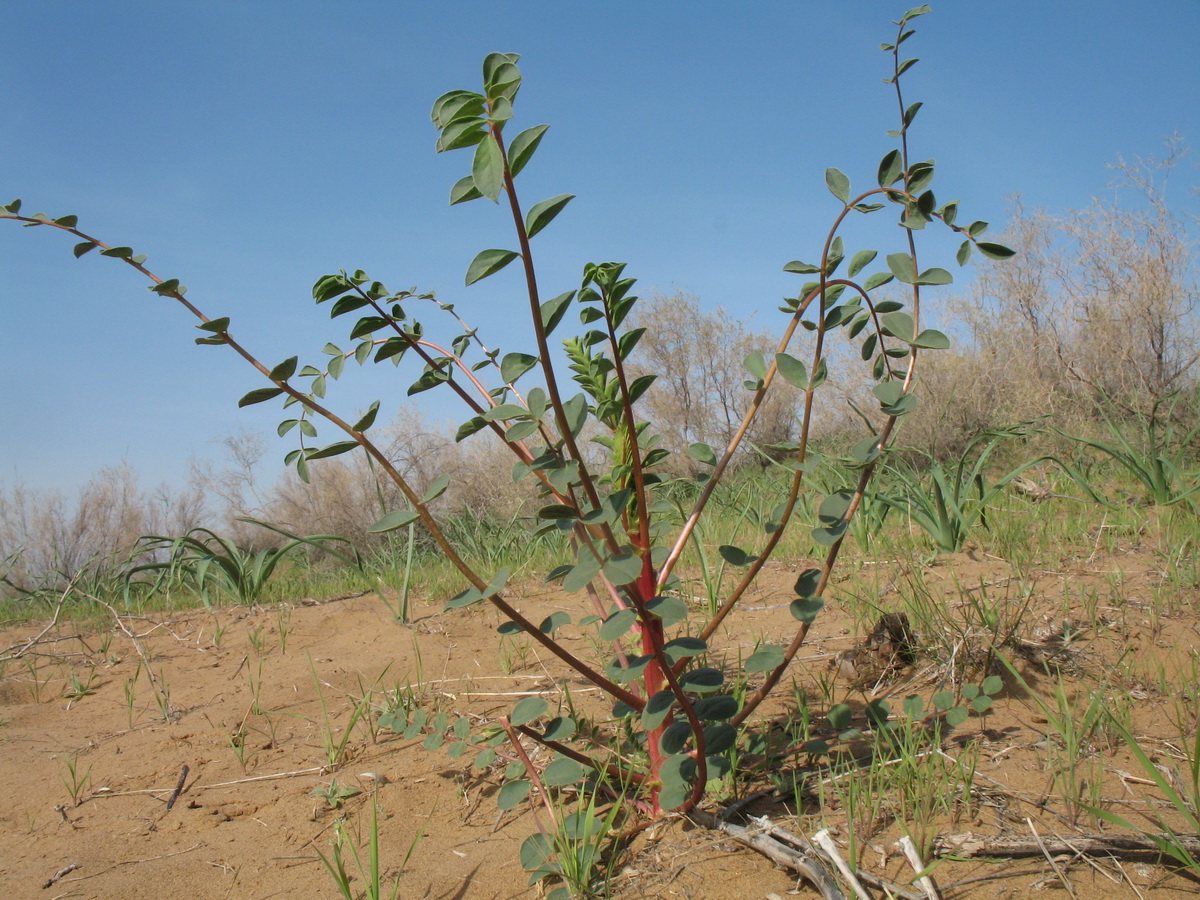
(48, 540)
(699, 396)
(344, 496)
(1098, 309)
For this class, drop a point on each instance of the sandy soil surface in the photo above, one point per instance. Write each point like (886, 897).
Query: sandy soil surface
(253, 698)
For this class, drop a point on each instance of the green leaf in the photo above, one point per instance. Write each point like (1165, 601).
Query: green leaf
(671, 610)
(891, 167)
(656, 710)
(955, 716)
(436, 489)
(368, 418)
(285, 369)
(488, 262)
(464, 189)
(460, 133)
(702, 681)
(932, 340)
(470, 427)
(514, 365)
(505, 411)
(935, 276)
(764, 659)
(215, 325)
(806, 609)
(561, 728)
(118, 252)
(536, 852)
(521, 150)
(716, 709)
(877, 280)
(520, 431)
(840, 716)
(702, 453)
(838, 184)
(995, 251)
(487, 169)
(899, 325)
(581, 574)
(562, 772)
(756, 365)
(943, 700)
(512, 794)
(542, 214)
(528, 710)
(84, 247)
(683, 647)
(623, 568)
(859, 261)
(735, 556)
(819, 374)
(901, 265)
(992, 685)
(807, 583)
(397, 519)
(258, 395)
(792, 370)
(553, 310)
(335, 449)
(964, 253)
(554, 621)
(801, 268)
(617, 625)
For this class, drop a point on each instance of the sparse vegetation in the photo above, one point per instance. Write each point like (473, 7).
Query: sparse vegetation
(688, 484)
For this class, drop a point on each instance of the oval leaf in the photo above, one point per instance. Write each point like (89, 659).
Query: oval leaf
(542, 214)
(487, 169)
(528, 710)
(512, 794)
(763, 660)
(488, 262)
(838, 184)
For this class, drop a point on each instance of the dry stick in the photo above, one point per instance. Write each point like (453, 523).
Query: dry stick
(166, 700)
(807, 864)
(65, 870)
(823, 840)
(183, 774)
(316, 770)
(16, 652)
(134, 862)
(1062, 876)
(1124, 846)
(909, 849)
(785, 836)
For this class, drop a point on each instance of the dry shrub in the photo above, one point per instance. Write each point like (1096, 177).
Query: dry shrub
(1098, 310)
(344, 497)
(698, 395)
(47, 540)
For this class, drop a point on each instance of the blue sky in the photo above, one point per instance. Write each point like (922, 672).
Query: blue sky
(250, 147)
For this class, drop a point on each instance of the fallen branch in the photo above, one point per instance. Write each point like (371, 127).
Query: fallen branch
(65, 870)
(1125, 846)
(16, 651)
(805, 863)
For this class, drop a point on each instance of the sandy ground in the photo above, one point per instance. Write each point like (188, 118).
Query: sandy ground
(246, 719)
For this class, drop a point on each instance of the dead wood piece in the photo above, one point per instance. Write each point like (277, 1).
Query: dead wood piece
(183, 774)
(805, 863)
(1125, 846)
(65, 870)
